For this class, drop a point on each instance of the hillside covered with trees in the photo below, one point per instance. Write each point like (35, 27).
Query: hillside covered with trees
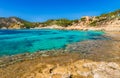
(18, 23)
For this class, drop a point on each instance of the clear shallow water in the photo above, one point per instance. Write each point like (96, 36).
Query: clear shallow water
(21, 41)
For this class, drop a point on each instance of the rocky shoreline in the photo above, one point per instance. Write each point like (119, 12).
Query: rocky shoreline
(9, 60)
(79, 48)
(98, 53)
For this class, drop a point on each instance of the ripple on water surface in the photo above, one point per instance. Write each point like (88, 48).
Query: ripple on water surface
(21, 41)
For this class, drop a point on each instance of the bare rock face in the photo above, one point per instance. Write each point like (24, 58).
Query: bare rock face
(114, 22)
(3, 28)
(11, 23)
(104, 70)
(79, 69)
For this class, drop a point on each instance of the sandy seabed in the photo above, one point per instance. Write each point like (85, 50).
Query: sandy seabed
(84, 61)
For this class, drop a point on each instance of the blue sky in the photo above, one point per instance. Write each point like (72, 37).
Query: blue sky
(41, 10)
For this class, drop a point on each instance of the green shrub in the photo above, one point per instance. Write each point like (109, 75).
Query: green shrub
(60, 22)
(48, 22)
(76, 21)
(28, 25)
(83, 19)
(115, 13)
(64, 22)
(94, 23)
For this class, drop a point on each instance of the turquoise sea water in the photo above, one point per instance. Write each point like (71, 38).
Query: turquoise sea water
(21, 41)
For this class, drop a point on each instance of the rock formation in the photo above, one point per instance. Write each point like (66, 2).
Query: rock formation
(79, 69)
(112, 18)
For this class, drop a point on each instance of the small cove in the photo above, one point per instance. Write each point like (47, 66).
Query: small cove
(21, 41)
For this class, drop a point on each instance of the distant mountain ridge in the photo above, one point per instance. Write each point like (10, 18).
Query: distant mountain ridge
(14, 23)
(103, 19)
